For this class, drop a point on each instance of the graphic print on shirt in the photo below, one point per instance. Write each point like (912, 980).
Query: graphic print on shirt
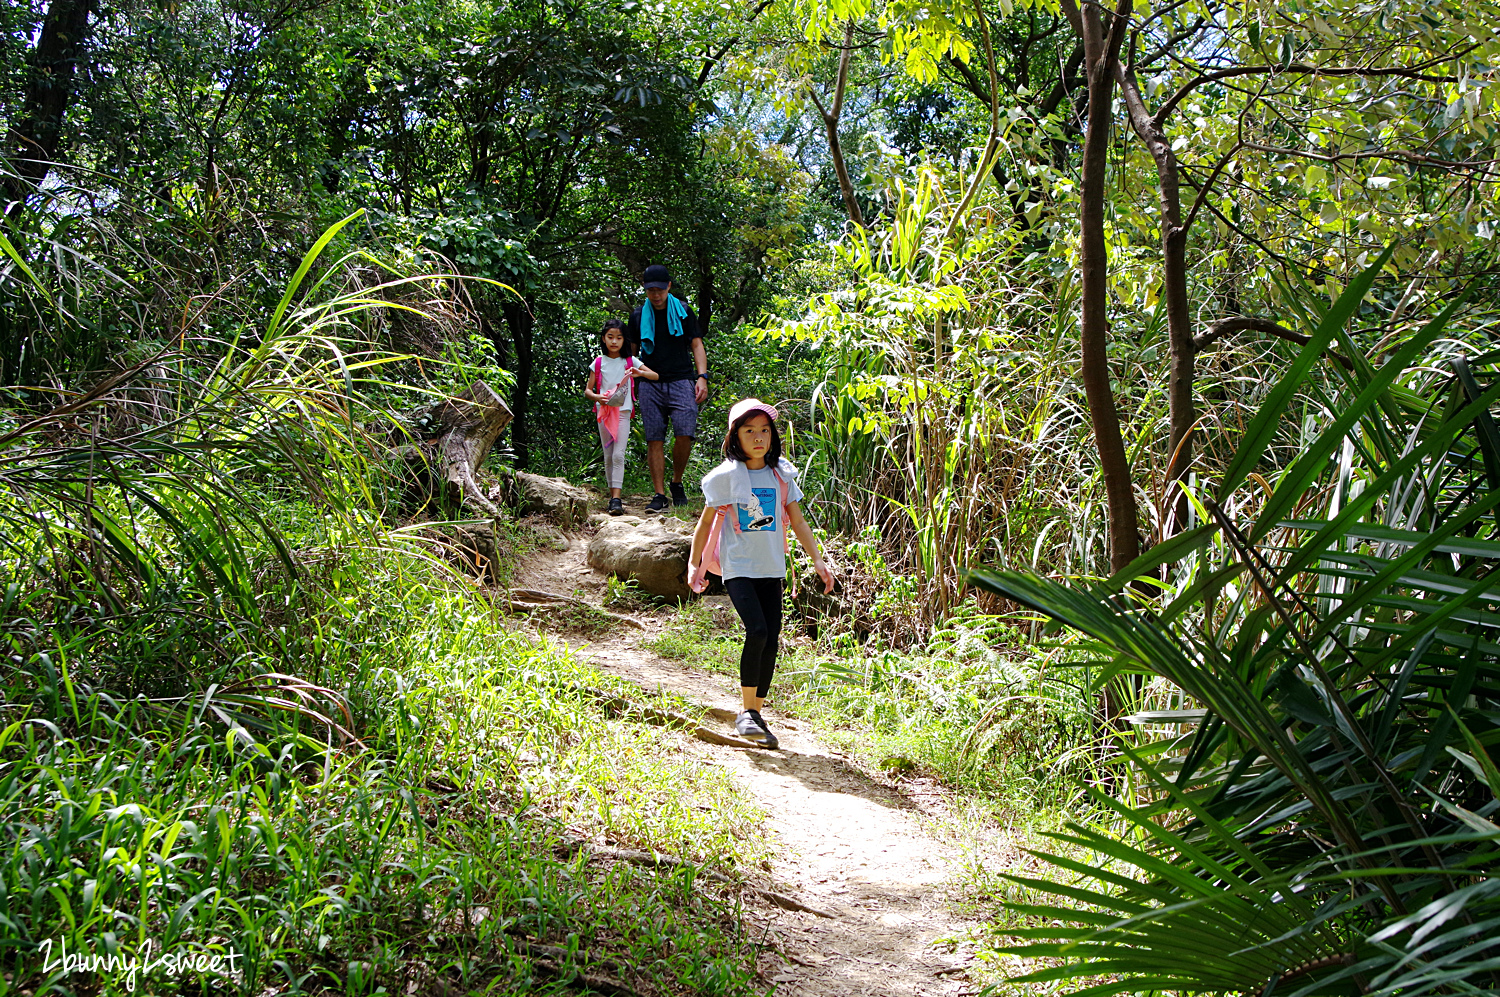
(764, 522)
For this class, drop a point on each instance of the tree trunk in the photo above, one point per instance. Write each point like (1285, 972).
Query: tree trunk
(705, 303)
(1182, 413)
(521, 322)
(1101, 54)
(831, 117)
(50, 68)
(458, 434)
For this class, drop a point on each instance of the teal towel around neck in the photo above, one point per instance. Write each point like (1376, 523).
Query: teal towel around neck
(676, 312)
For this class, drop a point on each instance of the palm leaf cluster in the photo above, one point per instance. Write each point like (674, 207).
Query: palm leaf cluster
(1325, 821)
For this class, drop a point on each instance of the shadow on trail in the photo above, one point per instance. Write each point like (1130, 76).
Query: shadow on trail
(823, 774)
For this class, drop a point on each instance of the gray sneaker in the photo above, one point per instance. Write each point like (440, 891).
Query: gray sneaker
(751, 727)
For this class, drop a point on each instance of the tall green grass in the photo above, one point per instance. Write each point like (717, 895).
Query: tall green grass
(428, 850)
(245, 712)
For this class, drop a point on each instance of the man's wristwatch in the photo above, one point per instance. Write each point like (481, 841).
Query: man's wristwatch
(705, 376)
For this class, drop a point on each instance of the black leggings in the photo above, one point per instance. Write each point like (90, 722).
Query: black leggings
(758, 601)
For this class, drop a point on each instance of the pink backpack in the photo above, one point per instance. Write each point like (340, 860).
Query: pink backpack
(599, 376)
(698, 577)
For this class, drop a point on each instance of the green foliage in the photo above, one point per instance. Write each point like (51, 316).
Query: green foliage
(1325, 827)
(555, 149)
(243, 715)
(429, 851)
(953, 707)
(696, 637)
(984, 721)
(190, 550)
(947, 374)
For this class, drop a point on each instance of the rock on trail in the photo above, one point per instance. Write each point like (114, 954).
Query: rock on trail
(644, 551)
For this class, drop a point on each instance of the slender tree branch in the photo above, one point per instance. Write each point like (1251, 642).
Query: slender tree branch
(1162, 12)
(1247, 323)
(969, 80)
(1301, 69)
(1182, 417)
(1168, 45)
(712, 60)
(831, 127)
(1285, 263)
(843, 77)
(1119, 24)
(993, 145)
(1101, 53)
(1061, 89)
(1208, 185)
(1398, 155)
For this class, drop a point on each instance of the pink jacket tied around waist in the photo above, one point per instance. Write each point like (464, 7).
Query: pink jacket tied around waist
(608, 416)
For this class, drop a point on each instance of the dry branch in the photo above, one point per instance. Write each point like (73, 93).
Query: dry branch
(554, 955)
(533, 599)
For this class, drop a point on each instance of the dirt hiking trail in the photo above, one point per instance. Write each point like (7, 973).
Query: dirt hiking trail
(843, 843)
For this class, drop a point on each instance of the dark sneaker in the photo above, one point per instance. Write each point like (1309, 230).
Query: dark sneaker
(658, 503)
(679, 494)
(616, 507)
(751, 727)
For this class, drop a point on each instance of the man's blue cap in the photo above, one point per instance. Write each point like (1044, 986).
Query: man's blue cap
(657, 276)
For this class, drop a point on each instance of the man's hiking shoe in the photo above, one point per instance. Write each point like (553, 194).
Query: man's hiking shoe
(751, 727)
(679, 494)
(616, 507)
(658, 503)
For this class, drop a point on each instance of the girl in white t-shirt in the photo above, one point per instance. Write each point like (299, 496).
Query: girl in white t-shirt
(750, 502)
(611, 388)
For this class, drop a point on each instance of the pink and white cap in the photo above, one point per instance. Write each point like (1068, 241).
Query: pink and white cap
(745, 406)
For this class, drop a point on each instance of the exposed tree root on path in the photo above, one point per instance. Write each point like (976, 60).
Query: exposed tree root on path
(552, 960)
(622, 705)
(529, 600)
(658, 860)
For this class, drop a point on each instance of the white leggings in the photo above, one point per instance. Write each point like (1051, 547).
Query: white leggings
(614, 453)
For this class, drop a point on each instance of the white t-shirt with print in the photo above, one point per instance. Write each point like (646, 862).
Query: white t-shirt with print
(757, 548)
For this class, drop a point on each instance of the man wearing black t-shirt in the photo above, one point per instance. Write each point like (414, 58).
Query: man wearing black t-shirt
(673, 347)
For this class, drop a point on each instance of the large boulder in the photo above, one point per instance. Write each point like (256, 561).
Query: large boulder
(533, 494)
(645, 550)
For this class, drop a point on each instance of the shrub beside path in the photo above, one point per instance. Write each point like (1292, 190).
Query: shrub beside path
(844, 844)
